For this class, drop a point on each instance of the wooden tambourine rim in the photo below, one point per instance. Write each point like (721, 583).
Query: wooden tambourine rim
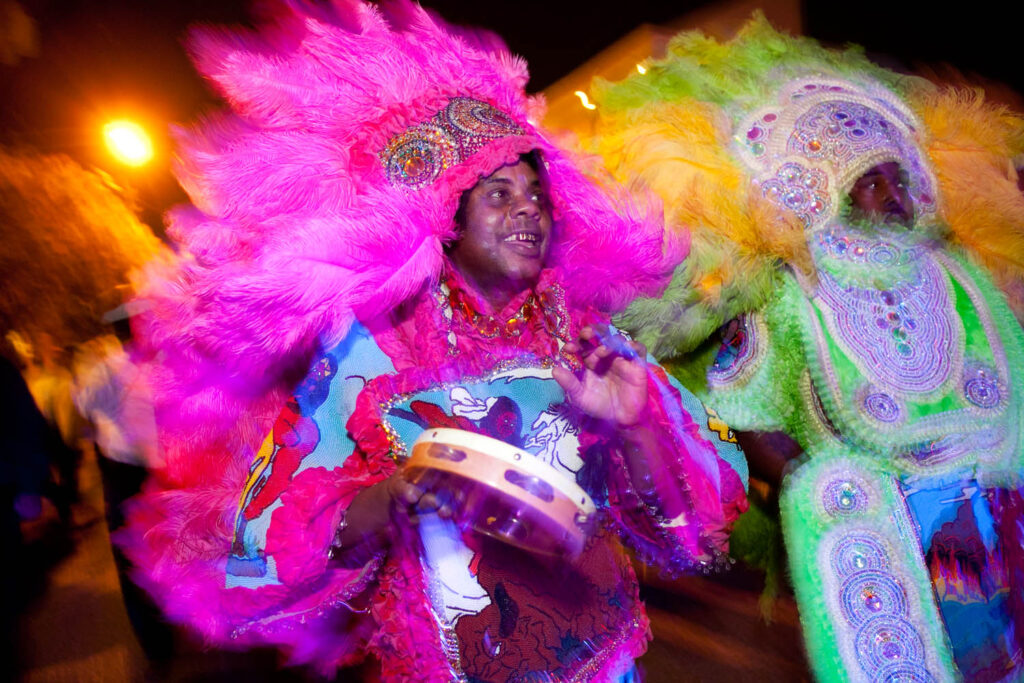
(558, 516)
(508, 454)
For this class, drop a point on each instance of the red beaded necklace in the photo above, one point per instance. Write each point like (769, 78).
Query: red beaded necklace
(545, 309)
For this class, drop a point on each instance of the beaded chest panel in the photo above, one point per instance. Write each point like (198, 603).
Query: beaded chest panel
(906, 355)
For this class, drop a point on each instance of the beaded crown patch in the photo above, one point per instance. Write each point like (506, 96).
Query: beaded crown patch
(419, 155)
(808, 147)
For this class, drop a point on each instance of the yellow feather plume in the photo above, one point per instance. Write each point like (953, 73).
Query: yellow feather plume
(971, 144)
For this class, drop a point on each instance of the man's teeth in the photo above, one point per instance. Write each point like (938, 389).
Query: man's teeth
(522, 237)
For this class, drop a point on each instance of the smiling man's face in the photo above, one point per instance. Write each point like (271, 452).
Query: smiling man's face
(506, 234)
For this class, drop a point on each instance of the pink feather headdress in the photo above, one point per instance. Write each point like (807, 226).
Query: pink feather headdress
(328, 191)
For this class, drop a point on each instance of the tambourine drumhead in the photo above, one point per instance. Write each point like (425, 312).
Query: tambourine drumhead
(503, 491)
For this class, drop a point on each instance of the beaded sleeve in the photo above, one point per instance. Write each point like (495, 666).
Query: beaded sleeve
(679, 516)
(759, 374)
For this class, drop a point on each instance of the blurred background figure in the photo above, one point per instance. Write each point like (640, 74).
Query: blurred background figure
(24, 476)
(69, 240)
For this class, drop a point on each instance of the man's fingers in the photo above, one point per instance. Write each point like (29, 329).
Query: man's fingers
(423, 497)
(403, 492)
(570, 384)
(428, 502)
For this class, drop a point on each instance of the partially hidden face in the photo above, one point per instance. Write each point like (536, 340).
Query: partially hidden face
(506, 233)
(882, 194)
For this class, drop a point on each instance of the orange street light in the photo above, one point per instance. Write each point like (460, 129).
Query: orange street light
(128, 142)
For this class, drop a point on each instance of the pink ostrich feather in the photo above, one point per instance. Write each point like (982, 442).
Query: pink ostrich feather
(293, 232)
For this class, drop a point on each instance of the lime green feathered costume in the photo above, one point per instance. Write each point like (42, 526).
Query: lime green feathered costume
(887, 353)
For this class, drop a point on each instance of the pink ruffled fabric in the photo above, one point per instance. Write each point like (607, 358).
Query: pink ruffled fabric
(179, 539)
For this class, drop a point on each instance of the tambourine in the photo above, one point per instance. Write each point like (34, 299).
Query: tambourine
(503, 491)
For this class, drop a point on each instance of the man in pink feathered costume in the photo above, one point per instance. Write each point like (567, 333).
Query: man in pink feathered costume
(380, 208)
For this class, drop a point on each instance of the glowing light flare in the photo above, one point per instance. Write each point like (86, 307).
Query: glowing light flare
(128, 142)
(587, 104)
(641, 68)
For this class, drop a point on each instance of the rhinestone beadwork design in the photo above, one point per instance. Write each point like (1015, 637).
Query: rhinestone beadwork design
(846, 246)
(843, 497)
(881, 406)
(874, 607)
(808, 146)
(759, 132)
(855, 553)
(982, 387)
(804, 191)
(840, 132)
(740, 351)
(419, 155)
(887, 639)
(905, 338)
(954, 447)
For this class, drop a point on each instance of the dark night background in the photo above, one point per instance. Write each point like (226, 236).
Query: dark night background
(98, 59)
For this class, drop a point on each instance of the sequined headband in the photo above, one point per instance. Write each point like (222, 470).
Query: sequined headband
(420, 154)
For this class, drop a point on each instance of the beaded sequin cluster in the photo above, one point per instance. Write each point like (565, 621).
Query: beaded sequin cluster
(546, 308)
(890, 305)
(416, 157)
(877, 622)
(804, 191)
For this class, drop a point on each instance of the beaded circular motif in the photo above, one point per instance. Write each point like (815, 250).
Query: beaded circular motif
(869, 593)
(856, 553)
(886, 639)
(874, 610)
(982, 387)
(904, 673)
(802, 190)
(844, 497)
(416, 157)
(880, 406)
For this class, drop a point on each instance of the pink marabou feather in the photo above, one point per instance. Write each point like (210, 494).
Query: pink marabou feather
(293, 232)
(296, 229)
